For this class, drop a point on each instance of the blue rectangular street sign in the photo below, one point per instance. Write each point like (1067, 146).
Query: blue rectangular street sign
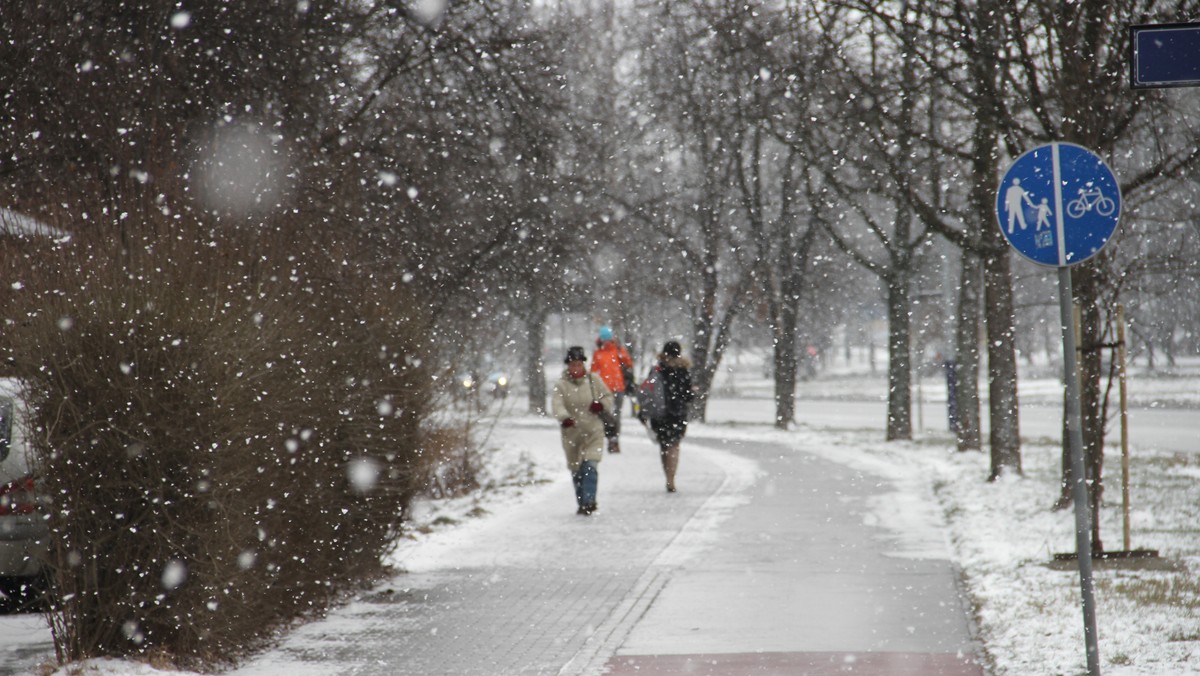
(1164, 55)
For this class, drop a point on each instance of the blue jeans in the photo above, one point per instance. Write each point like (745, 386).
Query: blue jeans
(585, 483)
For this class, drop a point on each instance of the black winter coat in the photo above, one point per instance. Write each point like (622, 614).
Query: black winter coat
(678, 378)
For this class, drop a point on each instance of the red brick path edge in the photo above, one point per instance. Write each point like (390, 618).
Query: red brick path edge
(796, 664)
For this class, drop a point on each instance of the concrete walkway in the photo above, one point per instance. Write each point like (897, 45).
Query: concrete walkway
(760, 564)
(797, 584)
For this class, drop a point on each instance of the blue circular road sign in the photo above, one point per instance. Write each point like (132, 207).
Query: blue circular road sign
(1058, 204)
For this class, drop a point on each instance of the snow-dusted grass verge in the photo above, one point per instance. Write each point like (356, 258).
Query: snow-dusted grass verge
(1030, 613)
(1004, 536)
(507, 471)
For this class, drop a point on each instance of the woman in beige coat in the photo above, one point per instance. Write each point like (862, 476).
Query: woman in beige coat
(579, 399)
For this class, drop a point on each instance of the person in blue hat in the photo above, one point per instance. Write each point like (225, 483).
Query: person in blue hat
(613, 364)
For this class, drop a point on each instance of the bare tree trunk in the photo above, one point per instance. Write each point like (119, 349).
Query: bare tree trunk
(1004, 437)
(985, 70)
(535, 374)
(1092, 402)
(785, 362)
(786, 320)
(1091, 398)
(899, 410)
(968, 433)
(722, 332)
(1066, 494)
(702, 330)
(1004, 434)
(704, 313)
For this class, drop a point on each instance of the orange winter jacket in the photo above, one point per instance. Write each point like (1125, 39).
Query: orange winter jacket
(607, 361)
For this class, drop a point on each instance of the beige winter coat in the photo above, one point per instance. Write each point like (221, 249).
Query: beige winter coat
(572, 399)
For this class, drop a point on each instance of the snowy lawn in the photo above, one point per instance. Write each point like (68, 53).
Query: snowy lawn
(1004, 536)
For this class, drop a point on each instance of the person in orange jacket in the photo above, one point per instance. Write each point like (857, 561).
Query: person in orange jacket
(615, 367)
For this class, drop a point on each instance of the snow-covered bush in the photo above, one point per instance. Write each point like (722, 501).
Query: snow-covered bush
(229, 429)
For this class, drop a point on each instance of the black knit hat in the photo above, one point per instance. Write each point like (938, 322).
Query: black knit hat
(575, 353)
(672, 349)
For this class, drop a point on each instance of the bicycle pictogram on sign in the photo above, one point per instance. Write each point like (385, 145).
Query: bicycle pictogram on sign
(1090, 198)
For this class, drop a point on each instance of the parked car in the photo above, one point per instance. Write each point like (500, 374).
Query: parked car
(23, 530)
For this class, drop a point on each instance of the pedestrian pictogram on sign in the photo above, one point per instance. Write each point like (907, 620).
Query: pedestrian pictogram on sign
(1058, 204)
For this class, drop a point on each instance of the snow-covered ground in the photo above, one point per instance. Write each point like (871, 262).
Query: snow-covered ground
(1004, 534)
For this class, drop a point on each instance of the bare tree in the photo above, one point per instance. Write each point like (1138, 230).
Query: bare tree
(951, 49)
(885, 101)
(1069, 70)
(687, 101)
(772, 77)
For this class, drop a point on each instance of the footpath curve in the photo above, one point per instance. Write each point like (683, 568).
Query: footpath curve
(764, 562)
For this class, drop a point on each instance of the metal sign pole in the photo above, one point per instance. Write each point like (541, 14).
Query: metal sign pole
(1083, 531)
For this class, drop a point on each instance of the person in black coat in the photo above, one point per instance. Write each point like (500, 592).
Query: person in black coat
(670, 427)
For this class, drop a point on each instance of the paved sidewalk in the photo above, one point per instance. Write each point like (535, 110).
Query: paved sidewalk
(799, 584)
(688, 583)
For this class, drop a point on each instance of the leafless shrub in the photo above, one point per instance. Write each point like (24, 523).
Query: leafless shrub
(455, 462)
(228, 426)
